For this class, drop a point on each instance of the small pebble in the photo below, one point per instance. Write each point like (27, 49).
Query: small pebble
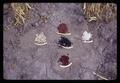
(80, 19)
(36, 24)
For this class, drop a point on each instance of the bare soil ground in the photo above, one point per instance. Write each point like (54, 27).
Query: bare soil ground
(24, 60)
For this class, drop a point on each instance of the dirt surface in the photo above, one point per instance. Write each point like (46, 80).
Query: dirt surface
(24, 60)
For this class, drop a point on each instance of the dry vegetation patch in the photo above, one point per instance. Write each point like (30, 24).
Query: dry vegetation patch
(100, 11)
(20, 12)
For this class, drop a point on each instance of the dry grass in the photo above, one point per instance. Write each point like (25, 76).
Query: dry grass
(100, 76)
(20, 12)
(100, 11)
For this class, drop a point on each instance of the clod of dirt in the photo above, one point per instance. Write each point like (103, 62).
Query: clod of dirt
(86, 37)
(65, 42)
(64, 60)
(63, 29)
(40, 39)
